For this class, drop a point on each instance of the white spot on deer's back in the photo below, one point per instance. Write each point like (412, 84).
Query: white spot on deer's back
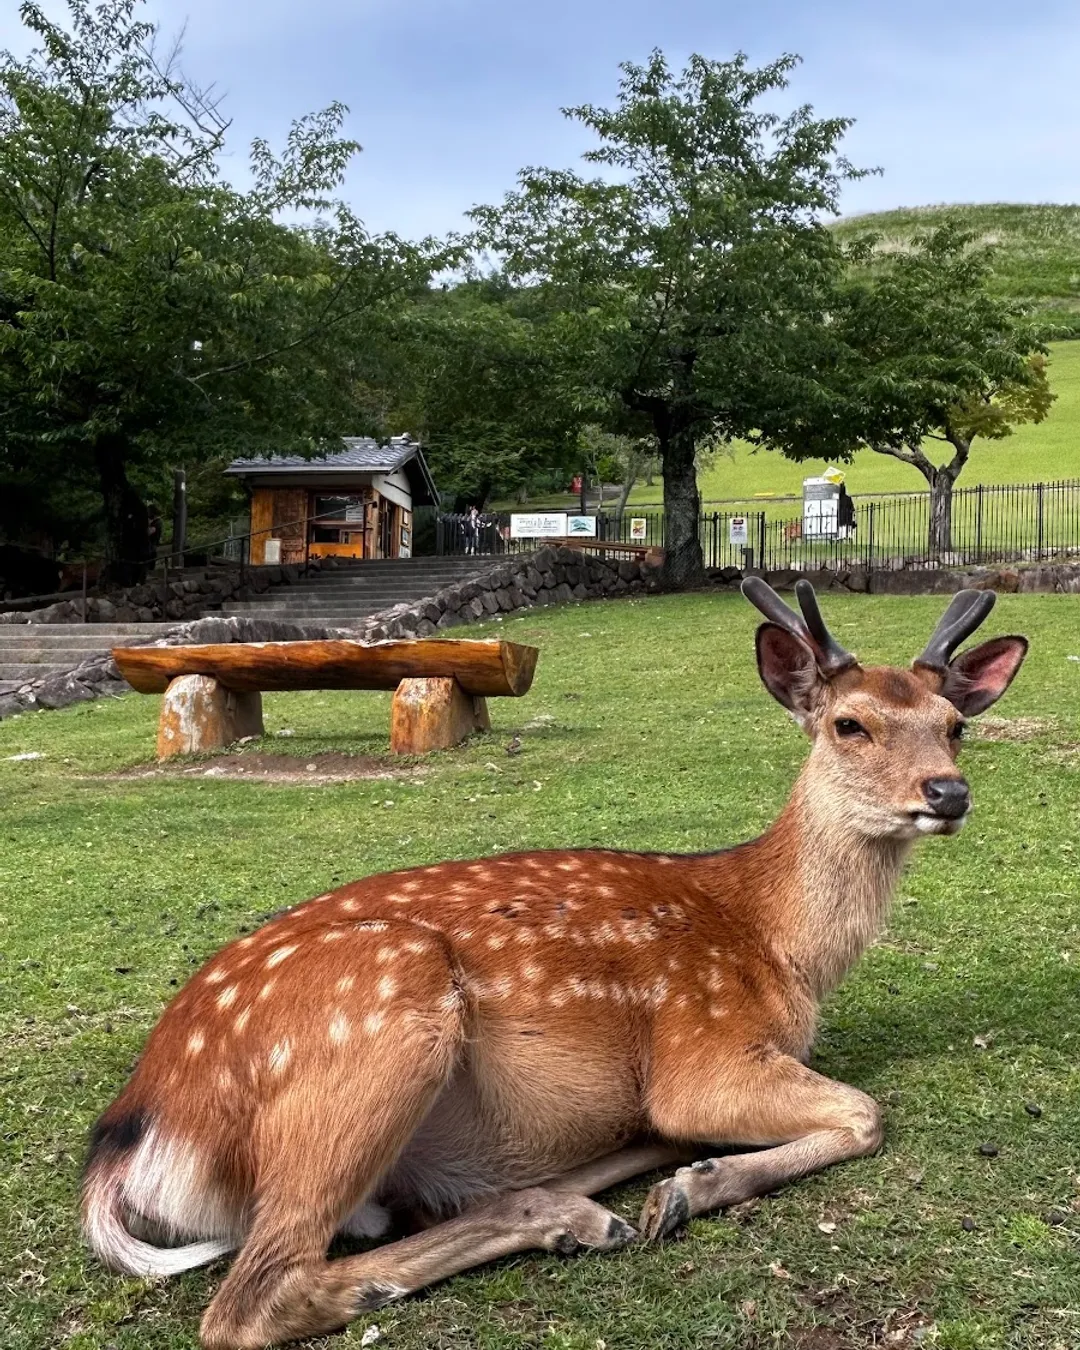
(215, 976)
(345, 983)
(333, 935)
(373, 1023)
(387, 986)
(280, 1055)
(267, 989)
(196, 1041)
(241, 1021)
(279, 954)
(385, 954)
(339, 1029)
(227, 997)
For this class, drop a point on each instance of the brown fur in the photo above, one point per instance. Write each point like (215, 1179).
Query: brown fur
(449, 1038)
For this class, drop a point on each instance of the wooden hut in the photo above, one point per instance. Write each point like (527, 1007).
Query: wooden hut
(353, 503)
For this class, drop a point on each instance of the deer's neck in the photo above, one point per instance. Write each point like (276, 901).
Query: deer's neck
(835, 888)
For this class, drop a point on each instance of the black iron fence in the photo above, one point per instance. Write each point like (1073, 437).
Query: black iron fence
(1013, 523)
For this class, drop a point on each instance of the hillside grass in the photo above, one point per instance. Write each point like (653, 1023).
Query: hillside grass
(1036, 247)
(646, 728)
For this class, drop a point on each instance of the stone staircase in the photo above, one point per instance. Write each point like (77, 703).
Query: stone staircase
(337, 597)
(34, 651)
(343, 596)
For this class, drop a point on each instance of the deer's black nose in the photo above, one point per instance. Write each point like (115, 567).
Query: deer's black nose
(948, 797)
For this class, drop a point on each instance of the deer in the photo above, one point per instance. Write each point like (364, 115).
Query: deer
(456, 1058)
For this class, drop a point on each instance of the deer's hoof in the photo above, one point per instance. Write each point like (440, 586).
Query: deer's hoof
(667, 1207)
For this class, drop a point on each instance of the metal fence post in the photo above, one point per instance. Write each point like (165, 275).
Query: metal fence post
(979, 523)
(1040, 518)
(870, 538)
(761, 542)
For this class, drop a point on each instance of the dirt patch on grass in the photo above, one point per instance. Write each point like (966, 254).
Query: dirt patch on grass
(256, 767)
(1013, 728)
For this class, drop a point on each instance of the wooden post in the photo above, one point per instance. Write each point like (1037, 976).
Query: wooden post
(199, 714)
(433, 714)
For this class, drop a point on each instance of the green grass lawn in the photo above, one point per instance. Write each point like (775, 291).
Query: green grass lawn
(646, 728)
(1044, 453)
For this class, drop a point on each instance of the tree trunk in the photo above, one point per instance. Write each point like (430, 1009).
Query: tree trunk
(127, 522)
(941, 500)
(683, 561)
(633, 468)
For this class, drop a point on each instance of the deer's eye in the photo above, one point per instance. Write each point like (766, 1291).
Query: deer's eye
(847, 726)
(956, 733)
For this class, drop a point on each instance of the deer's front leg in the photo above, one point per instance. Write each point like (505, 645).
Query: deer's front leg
(800, 1120)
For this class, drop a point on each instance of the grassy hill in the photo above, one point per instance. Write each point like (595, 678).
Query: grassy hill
(1037, 248)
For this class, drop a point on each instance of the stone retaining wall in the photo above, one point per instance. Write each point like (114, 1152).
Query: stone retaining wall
(1044, 577)
(157, 602)
(551, 576)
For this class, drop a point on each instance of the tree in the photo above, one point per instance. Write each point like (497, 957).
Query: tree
(919, 351)
(689, 279)
(148, 311)
(477, 378)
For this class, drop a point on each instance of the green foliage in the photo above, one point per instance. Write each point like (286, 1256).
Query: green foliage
(476, 378)
(915, 350)
(646, 728)
(149, 313)
(690, 279)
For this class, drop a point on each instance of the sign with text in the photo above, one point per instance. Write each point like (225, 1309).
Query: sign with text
(583, 526)
(538, 525)
(638, 528)
(737, 530)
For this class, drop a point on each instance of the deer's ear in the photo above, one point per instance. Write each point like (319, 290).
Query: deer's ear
(789, 672)
(977, 678)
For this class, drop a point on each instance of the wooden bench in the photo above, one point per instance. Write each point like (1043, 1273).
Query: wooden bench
(651, 554)
(213, 694)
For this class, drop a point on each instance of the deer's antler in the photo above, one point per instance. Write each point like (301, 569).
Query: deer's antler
(966, 612)
(810, 628)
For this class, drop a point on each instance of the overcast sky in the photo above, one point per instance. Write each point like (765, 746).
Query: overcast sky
(956, 100)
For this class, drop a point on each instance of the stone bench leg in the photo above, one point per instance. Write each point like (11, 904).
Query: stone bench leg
(432, 714)
(199, 714)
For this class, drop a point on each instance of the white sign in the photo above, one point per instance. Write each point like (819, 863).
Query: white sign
(638, 528)
(821, 500)
(737, 530)
(538, 525)
(581, 525)
(272, 551)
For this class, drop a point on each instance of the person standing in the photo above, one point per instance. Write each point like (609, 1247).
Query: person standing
(471, 528)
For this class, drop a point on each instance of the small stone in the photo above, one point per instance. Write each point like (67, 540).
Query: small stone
(311, 767)
(1033, 1109)
(1056, 1217)
(989, 1150)
(968, 1225)
(827, 1227)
